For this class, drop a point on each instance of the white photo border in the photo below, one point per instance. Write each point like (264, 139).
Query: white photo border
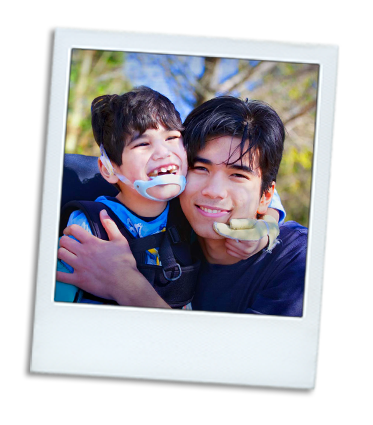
(128, 342)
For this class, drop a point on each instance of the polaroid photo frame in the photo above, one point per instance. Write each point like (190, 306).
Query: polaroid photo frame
(197, 346)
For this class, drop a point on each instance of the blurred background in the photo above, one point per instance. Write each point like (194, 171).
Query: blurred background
(188, 81)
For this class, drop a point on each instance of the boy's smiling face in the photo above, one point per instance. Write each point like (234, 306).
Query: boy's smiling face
(154, 153)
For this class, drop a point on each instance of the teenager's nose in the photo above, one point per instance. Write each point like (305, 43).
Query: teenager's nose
(160, 151)
(214, 188)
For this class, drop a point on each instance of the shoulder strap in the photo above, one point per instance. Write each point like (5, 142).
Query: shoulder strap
(92, 209)
(178, 234)
(178, 226)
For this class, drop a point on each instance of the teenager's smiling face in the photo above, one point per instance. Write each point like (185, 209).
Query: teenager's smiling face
(154, 153)
(219, 192)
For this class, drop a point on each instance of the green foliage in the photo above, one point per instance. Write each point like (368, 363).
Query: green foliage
(294, 183)
(93, 73)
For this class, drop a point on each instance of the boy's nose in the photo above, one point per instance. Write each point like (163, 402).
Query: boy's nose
(160, 151)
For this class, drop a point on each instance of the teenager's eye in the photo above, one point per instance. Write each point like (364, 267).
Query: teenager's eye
(199, 168)
(240, 176)
(173, 138)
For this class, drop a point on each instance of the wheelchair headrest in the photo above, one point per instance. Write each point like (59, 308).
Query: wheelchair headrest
(82, 179)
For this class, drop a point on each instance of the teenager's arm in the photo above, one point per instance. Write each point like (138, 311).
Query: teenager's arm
(283, 294)
(106, 269)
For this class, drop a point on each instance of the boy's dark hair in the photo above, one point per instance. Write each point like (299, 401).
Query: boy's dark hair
(116, 117)
(252, 120)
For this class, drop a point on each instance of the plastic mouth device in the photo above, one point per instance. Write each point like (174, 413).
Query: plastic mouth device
(141, 186)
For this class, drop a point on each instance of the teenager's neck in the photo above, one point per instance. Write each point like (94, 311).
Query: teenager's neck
(215, 251)
(139, 205)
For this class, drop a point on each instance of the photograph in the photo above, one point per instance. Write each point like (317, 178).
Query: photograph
(183, 187)
(150, 118)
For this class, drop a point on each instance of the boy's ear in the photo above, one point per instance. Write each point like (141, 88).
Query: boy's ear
(266, 199)
(111, 178)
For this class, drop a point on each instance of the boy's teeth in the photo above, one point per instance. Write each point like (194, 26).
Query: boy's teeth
(170, 168)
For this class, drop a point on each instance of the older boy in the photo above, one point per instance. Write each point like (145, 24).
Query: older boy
(234, 153)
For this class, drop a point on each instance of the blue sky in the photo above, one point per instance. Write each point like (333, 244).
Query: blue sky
(144, 69)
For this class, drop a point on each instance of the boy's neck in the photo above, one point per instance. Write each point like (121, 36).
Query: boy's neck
(139, 205)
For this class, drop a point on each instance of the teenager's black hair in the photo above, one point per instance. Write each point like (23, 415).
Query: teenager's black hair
(250, 120)
(115, 118)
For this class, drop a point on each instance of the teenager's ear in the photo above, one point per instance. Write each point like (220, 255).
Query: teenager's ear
(111, 178)
(266, 199)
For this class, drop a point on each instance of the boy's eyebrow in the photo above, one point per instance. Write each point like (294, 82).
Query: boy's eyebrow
(135, 137)
(237, 167)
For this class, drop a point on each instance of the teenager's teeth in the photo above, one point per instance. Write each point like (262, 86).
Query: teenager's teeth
(210, 211)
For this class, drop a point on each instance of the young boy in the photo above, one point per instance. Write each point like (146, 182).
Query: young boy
(142, 153)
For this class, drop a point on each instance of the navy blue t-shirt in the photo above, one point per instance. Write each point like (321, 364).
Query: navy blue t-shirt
(266, 283)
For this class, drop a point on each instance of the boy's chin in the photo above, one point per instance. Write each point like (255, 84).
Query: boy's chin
(164, 192)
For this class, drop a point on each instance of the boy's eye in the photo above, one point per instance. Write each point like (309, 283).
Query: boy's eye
(173, 138)
(173, 135)
(141, 144)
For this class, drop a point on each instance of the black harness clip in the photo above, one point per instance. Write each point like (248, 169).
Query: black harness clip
(174, 234)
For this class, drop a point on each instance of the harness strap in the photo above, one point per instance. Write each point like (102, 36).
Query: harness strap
(92, 210)
(174, 252)
(171, 269)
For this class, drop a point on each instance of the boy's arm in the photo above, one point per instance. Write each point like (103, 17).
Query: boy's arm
(274, 213)
(246, 237)
(64, 292)
(276, 209)
(106, 269)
